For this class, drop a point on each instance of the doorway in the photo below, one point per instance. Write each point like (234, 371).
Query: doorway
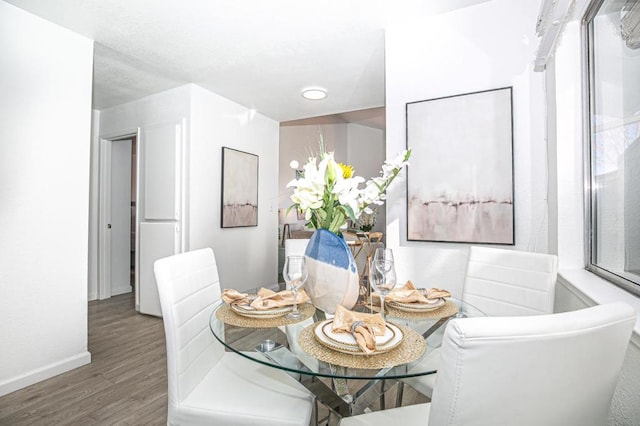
(118, 216)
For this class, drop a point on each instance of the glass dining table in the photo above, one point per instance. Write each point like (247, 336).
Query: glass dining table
(326, 369)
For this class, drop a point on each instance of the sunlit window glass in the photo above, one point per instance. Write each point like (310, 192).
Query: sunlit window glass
(614, 67)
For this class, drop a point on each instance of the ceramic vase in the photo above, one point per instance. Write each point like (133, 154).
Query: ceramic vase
(333, 274)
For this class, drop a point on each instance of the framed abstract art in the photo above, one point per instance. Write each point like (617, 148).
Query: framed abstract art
(239, 189)
(460, 183)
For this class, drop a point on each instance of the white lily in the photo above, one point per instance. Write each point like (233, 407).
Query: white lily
(329, 195)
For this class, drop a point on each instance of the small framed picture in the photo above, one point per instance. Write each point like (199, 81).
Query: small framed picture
(239, 189)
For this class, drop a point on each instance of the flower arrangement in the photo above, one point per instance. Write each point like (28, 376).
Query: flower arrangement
(328, 193)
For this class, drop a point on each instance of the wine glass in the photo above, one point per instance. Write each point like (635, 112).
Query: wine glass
(295, 274)
(382, 280)
(384, 255)
(383, 261)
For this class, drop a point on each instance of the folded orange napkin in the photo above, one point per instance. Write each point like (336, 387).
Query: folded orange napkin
(234, 297)
(408, 293)
(364, 327)
(437, 293)
(265, 299)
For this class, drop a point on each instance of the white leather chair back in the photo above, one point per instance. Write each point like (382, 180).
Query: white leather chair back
(552, 370)
(188, 286)
(503, 282)
(295, 247)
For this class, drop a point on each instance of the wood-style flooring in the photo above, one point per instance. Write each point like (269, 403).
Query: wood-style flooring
(125, 384)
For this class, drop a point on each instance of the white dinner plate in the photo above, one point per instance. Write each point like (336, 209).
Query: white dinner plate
(248, 311)
(345, 342)
(417, 307)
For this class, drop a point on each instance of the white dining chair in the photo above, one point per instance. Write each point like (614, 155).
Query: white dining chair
(552, 370)
(499, 282)
(503, 282)
(206, 384)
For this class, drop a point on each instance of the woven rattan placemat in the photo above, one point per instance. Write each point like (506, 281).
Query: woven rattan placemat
(228, 316)
(411, 348)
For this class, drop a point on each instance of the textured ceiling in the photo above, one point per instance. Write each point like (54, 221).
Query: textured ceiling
(258, 53)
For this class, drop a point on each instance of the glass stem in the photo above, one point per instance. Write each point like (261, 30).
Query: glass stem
(382, 305)
(295, 299)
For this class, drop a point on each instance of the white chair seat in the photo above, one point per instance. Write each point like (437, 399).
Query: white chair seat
(417, 414)
(235, 384)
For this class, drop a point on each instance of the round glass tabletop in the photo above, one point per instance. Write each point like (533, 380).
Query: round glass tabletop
(307, 347)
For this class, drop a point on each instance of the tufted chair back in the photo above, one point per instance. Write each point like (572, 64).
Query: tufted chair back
(552, 370)
(189, 287)
(503, 282)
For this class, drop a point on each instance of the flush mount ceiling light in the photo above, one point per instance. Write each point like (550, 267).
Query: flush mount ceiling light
(314, 93)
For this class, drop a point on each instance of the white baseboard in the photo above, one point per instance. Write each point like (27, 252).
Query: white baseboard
(121, 290)
(43, 373)
(92, 296)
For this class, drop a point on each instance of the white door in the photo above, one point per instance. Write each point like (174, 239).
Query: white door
(160, 207)
(114, 230)
(120, 222)
(157, 240)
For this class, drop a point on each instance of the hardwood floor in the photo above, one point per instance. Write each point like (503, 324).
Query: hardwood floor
(125, 384)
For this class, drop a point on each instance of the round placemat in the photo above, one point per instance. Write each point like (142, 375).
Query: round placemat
(228, 316)
(447, 310)
(411, 348)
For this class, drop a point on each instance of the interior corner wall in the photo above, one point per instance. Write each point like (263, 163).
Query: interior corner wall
(45, 107)
(481, 47)
(366, 153)
(246, 256)
(569, 146)
(213, 122)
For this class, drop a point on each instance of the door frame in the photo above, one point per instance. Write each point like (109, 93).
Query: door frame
(104, 210)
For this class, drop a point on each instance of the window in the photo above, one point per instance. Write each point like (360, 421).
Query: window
(613, 66)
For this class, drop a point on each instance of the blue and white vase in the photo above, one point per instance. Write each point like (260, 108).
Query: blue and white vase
(333, 274)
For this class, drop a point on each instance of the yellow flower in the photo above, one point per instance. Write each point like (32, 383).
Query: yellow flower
(347, 170)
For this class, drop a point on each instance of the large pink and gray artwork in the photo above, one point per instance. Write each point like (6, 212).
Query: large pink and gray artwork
(460, 181)
(239, 188)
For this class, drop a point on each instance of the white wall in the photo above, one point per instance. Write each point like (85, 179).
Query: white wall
(171, 107)
(569, 102)
(93, 206)
(366, 153)
(164, 107)
(482, 47)
(45, 81)
(246, 256)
